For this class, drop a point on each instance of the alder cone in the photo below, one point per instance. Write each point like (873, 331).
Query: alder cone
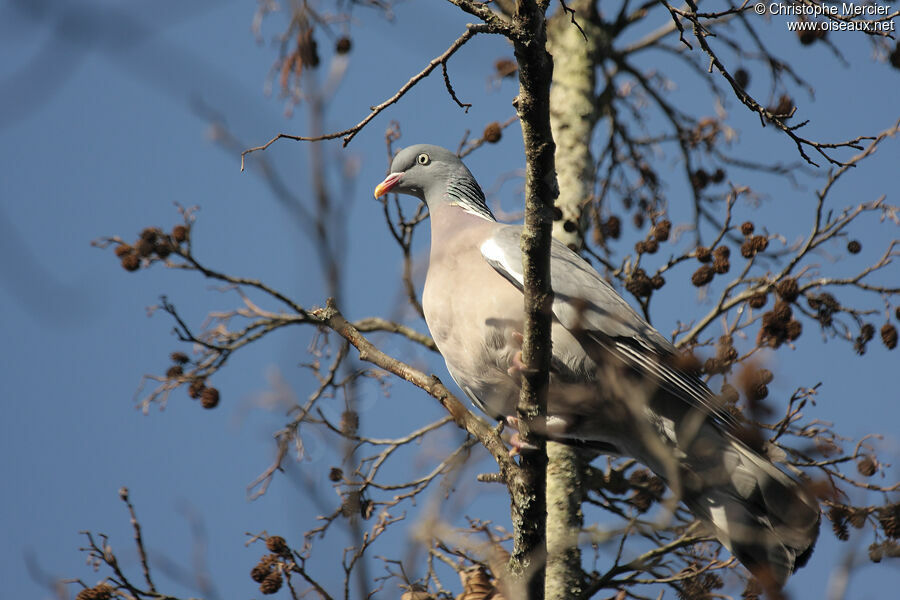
(209, 397)
(271, 584)
(493, 132)
(889, 336)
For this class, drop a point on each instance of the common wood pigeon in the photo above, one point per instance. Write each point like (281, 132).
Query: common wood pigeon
(614, 385)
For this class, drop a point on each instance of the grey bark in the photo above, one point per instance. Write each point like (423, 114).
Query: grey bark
(573, 113)
(573, 117)
(532, 105)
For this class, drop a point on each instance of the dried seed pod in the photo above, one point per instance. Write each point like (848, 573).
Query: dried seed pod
(759, 243)
(747, 228)
(686, 361)
(476, 584)
(143, 247)
(308, 49)
(639, 284)
(661, 230)
(889, 519)
(638, 220)
(807, 37)
(174, 372)
(718, 176)
(757, 300)
(788, 289)
(825, 305)
(876, 551)
(612, 228)
(772, 332)
(259, 572)
(782, 311)
(343, 45)
(702, 276)
(150, 234)
(195, 390)
(271, 584)
(866, 332)
(492, 132)
(742, 78)
(209, 397)
(276, 544)
(657, 281)
(642, 500)
(505, 67)
(784, 108)
(699, 179)
(894, 57)
(180, 233)
(703, 254)
(889, 336)
(103, 591)
(131, 262)
(336, 474)
(853, 247)
(714, 366)
(754, 383)
(866, 465)
(123, 249)
(858, 517)
(891, 548)
(728, 393)
(727, 353)
(721, 265)
(841, 531)
(163, 247)
(793, 329)
(838, 517)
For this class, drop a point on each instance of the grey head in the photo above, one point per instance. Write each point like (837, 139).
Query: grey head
(435, 175)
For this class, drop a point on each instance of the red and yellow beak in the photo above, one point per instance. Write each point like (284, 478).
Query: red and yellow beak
(388, 184)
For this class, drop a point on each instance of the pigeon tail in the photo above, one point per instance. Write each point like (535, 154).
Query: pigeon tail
(765, 518)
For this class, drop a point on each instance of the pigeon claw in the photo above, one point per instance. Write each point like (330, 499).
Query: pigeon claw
(516, 366)
(518, 446)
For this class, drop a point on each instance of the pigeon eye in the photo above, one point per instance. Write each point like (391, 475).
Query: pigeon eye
(423, 159)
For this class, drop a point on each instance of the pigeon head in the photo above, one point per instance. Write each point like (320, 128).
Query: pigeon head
(435, 175)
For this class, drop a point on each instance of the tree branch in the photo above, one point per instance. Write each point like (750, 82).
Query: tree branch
(349, 134)
(532, 105)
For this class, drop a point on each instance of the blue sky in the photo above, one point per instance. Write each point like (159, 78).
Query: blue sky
(99, 135)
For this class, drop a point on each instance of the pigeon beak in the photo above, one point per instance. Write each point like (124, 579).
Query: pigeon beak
(388, 184)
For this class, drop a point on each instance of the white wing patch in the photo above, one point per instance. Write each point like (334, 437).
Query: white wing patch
(495, 255)
(720, 520)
